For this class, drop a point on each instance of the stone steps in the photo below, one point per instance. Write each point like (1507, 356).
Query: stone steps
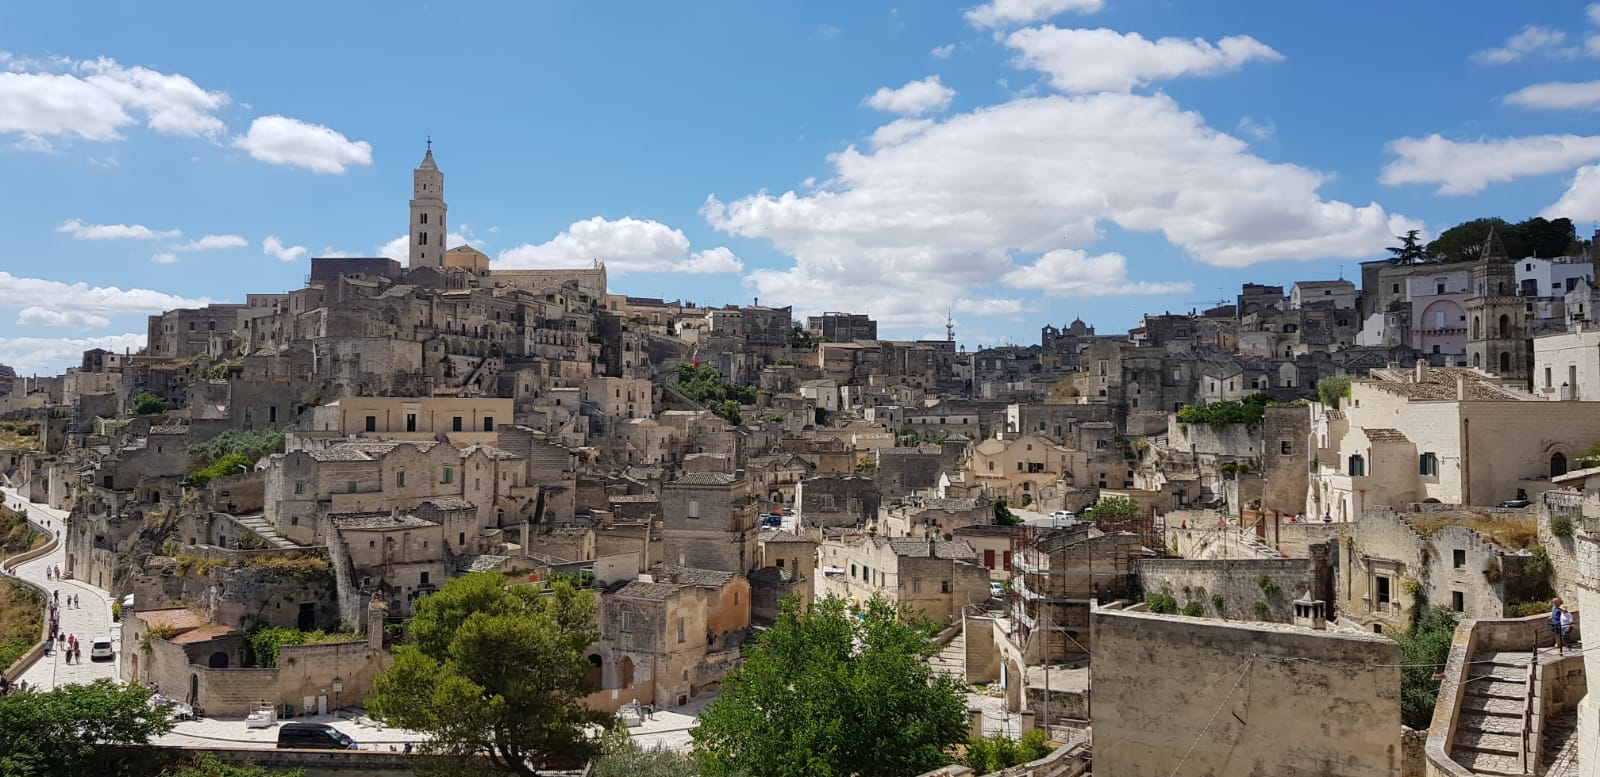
(259, 526)
(1489, 763)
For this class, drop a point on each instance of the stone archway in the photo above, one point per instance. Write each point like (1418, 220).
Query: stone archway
(1558, 464)
(218, 660)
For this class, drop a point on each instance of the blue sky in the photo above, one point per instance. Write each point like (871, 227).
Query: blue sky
(1021, 162)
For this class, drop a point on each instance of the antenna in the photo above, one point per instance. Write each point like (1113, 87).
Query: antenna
(950, 325)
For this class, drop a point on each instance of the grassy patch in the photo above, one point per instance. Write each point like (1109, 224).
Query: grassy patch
(21, 620)
(1519, 532)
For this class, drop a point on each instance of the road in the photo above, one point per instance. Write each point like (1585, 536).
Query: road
(90, 619)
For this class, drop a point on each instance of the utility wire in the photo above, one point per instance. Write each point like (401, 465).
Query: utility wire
(1213, 718)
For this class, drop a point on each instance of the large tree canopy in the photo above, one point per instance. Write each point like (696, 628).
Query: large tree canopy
(497, 670)
(63, 731)
(832, 693)
(1534, 237)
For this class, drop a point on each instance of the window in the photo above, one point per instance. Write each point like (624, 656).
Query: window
(944, 586)
(694, 508)
(372, 544)
(916, 585)
(680, 629)
(299, 486)
(852, 570)
(400, 480)
(424, 219)
(1458, 558)
(627, 621)
(422, 578)
(461, 538)
(350, 487)
(455, 424)
(372, 423)
(1395, 289)
(411, 422)
(1439, 287)
(1383, 593)
(1285, 447)
(272, 414)
(422, 238)
(1428, 465)
(488, 421)
(988, 558)
(448, 476)
(1458, 601)
(780, 563)
(1358, 466)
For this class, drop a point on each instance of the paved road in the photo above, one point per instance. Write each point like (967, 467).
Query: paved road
(87, 621)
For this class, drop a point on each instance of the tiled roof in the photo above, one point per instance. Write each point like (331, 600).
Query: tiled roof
(451, 503)
(639, 590)
(923, 451)
(340, 453)
(950, 503)
(487, 450)
(484, 563)
(633, 498)
(357, 521)
(169, 429)
(1439, 383)
(774, 535)
(175, 617)
(204, 633)
(915, 548)
(706, 479)
(705, 578)
(1385, 435)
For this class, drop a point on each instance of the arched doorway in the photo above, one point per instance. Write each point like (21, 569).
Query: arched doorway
(1477, 360)
(1505, 361)
(194, 689)
(592, 677)
(1505, 326)
(626, 670)
(1477, 328)
(219, 660)
(1558, 464)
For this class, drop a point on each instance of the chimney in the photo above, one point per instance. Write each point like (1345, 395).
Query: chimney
(1461, 387)
(1422, 370)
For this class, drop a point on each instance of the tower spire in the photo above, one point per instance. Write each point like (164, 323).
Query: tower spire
(427, 227)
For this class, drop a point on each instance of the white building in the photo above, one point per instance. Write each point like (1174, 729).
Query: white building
(1567, 365)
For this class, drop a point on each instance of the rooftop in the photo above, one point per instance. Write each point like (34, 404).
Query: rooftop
(1440, 383)
(706, 479)
(377, 521)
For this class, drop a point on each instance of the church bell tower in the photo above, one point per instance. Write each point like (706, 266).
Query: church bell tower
(427, 229)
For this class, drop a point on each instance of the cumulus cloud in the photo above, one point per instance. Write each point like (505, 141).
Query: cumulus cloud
(165, 257)
(905, 229)
(1069, 272)
(1263, 129)
(1531, 40)
(78, 305)
(280, 140)
(893, 133)
(1581, 201)
(913, 99)
(1466, 167)
(625, 245)
(52, 355)
(275, 248)
(81, 231)
(398, 249)
(1008, 13)
(96, 99)
(1557, 96)
(1081, 60)
(942, 52)
(74, 319)
(214, 243)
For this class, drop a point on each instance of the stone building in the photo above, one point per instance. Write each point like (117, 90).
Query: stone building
(1058, 577)
(1175, 693)
(667, 635)
(459, 421)
(397, 557)
(934, 576)
(843, 327)
(1024, 469)
(709, 522)
(837, 500)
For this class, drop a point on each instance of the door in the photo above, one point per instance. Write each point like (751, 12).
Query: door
(322, 705)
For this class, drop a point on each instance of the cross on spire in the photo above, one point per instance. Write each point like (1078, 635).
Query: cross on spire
(430, 142)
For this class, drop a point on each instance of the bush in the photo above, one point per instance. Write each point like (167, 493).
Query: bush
(12, 649)
(1330, 391)
(251, 444)
(993, 753)
(1270, 587)
(1423, 651)
(1161, 603)
(1194, 610)
(146, 403)
(231, 464)
(1262, 610)
(1249, 410)
(1561, 525)
(1218, 603)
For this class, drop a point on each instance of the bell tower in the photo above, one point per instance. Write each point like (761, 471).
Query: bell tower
(1497, 334)
(427, 228)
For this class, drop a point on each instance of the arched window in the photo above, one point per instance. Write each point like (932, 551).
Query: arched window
(1477, 328)
(1477, 360)
(1505, 326)
(424, 219)
(1558, 464)
(422, 238)
(1505, 361)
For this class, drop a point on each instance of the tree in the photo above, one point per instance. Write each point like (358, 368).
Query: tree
(1546, 238)
(1116, 508)
(211, 766)
(1410, 250)
(622, 757)
(828, 692)
(1423, 651)
(496, 669)
(146, 403)
(1331, 391)
(63, 731)
(1003, 515)
(993, 753)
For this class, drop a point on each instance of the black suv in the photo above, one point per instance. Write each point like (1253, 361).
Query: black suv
(313, 736)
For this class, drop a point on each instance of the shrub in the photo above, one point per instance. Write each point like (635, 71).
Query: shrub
(12, 649)
(1423, 651)
(1218, 603)
(252, 444)
(1194, 610)
(230, 464)
(1270, 587)
(116, 611)
(1249, 410)
(146, 403)
(1161, 603)
(1330, 391)
(997, 752)
(1524, 609)
(1561, 525)
(1262, 610)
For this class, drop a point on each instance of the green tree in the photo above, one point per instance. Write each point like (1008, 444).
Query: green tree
(832, 693)
(63, 731)
(250, 444)
(1423, 651)
(1410, 250)
(496, 669)
(1003, 515)
(1546, 238)
(1464, 242)
(146, 403)
(993, 753)
(623, 757)
(1116, 508)
(1332, 391)
(211, 766)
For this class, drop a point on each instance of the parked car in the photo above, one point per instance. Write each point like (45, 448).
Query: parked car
(313, 736)
(1514, 504)
(771, 519)
(996, 588)
(1062, 516)
(100, 649)
(263, 716)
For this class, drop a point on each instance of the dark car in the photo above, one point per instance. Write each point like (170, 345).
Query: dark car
(1514, 504)
(313, 736)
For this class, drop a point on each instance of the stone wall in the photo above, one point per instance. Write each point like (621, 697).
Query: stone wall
(1286, 433)
(1242, 584)
(1223, 698)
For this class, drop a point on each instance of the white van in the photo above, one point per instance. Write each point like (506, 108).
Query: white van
(100, 649)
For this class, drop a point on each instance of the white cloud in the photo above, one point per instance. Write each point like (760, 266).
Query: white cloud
(903, 231)
(280, 140)
(1557, 96)
(95, 99)
(214, 243)
(275, 248)
(1467, 167)
(992, 306)
(398, 249)
(1082, 60)
(942, 52)
(165, 257)
(52, 355)
(1260, 130)
(1593, 12)
(53, 303)
(913, 99)
(1581, 201)
(625, 245)
(828, 31)
(1005, 13)
(1069, 272)
(893, 133)
(81, 231)
(74, 319)
(1532, 39)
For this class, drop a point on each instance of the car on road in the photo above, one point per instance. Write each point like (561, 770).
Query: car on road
(1514, 504)
(996, 588)
(100, 649)
(313, 736)
(1062, 516)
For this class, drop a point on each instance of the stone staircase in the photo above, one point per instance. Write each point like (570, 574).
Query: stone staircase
(952, 659)
(1488, 736)
(257, 525)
